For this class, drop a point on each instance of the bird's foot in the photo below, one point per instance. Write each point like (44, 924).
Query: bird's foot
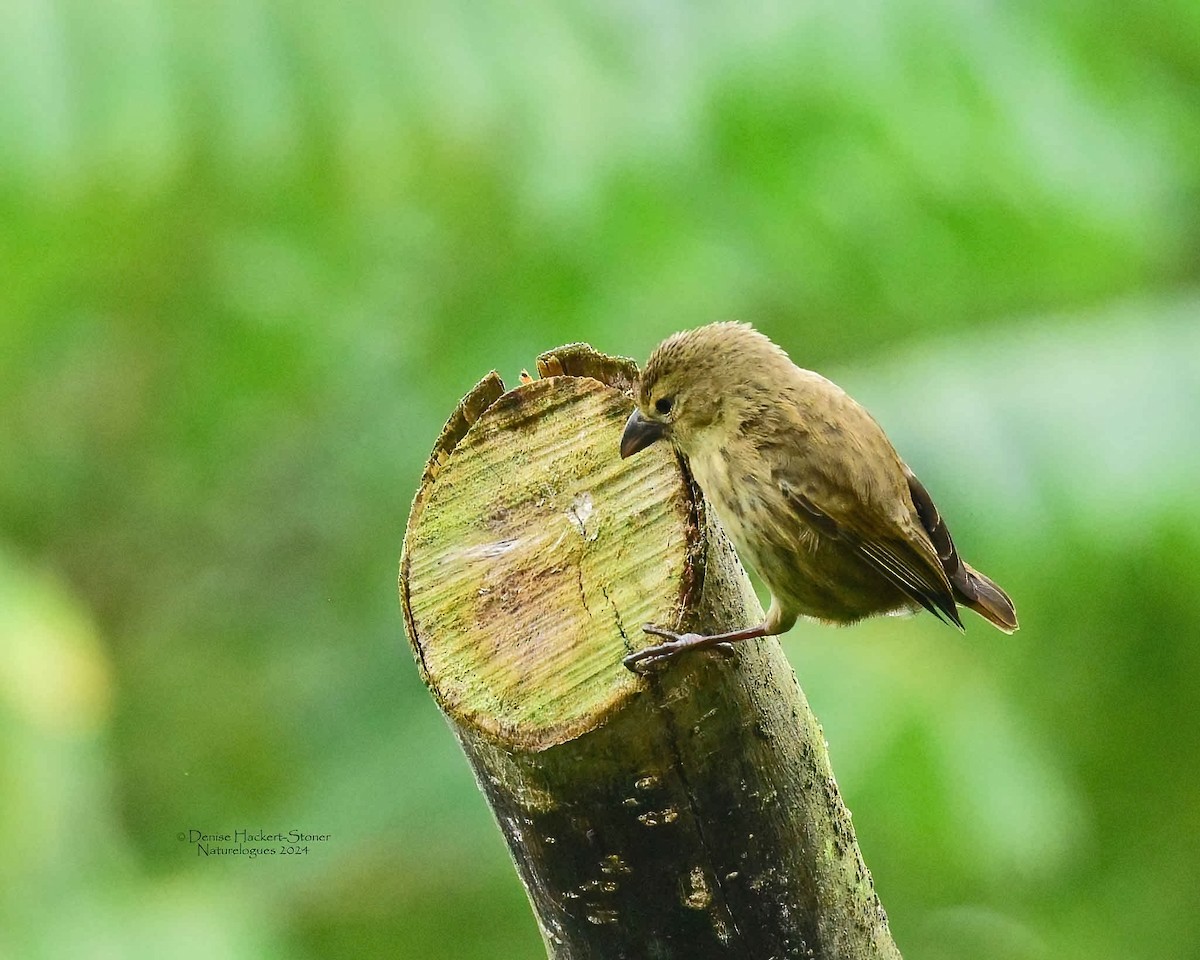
(676, 643)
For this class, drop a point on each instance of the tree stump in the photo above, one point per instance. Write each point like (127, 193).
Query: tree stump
(688, 813)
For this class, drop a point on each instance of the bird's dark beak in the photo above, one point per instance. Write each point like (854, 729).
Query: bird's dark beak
(639, 434)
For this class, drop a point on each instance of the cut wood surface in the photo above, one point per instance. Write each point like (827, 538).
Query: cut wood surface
(691, 812)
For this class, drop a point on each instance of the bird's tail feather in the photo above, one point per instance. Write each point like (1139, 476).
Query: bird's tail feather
(986, 599)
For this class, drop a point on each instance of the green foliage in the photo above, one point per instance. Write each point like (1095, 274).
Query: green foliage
(253, 254)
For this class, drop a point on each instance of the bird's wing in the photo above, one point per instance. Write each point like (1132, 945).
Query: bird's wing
(906, 561)
(935, 528)
(971, 588)
(844, 478)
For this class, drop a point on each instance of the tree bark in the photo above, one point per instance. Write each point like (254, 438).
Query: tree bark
(689, 813)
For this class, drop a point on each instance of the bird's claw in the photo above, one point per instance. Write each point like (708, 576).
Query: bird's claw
(676, 643)
(648, 658)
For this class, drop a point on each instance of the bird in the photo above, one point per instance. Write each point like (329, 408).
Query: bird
(807, 486)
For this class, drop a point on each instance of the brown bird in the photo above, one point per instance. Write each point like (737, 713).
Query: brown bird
(806, 484)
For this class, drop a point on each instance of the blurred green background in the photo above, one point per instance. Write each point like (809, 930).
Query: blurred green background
(251, 255)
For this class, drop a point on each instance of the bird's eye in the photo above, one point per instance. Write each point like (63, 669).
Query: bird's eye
(663, 405)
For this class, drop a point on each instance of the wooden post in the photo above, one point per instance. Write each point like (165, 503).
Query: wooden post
(691, 813)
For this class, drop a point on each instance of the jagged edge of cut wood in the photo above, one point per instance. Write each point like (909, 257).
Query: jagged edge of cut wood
(581, 360)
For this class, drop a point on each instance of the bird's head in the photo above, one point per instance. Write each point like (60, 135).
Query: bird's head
(700, 384)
